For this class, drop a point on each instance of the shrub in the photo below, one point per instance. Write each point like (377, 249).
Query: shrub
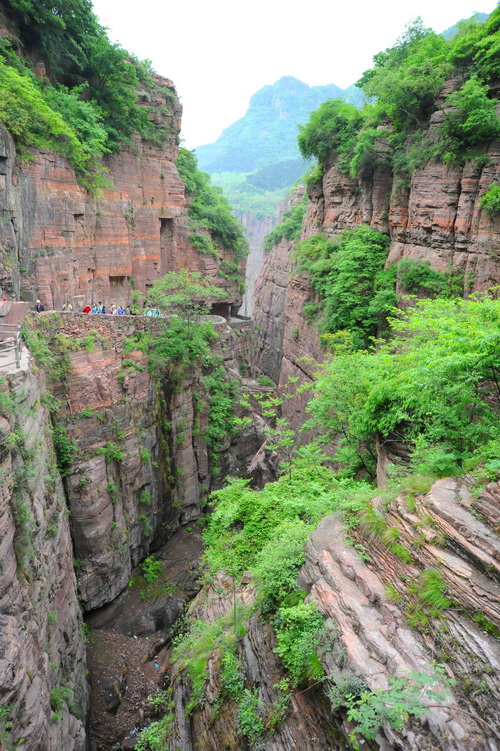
(111, 452)
(210, 209)
(290, 226)
(490, 201)
(331, 128)
(152, 569)
(250, 724)
(298, 631)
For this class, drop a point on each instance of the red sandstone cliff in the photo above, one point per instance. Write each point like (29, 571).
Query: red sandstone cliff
(60, 243)
(43, 685)
(435, 217)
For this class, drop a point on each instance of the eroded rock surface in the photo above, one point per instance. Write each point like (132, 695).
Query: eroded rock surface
(306, 725)
(42, 650)
(374, 638)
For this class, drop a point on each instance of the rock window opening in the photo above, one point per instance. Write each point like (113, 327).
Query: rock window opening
(167, 244)
(119, 290)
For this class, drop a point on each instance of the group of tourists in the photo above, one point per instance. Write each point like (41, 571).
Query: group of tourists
(101, 308)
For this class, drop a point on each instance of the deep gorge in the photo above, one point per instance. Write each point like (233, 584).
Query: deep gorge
(167, 530)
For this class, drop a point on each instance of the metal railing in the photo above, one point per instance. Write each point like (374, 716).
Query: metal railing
(10, 341)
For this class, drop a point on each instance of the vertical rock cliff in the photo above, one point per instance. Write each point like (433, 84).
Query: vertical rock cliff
(43, 684)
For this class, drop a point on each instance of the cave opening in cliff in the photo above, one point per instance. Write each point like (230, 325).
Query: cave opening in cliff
(119, 290)
(167, 243)
(221, 309)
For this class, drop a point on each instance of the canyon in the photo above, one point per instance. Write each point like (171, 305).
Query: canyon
(107, 466)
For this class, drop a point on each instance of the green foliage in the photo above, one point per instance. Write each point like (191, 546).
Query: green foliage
(204, 244)
(265, 381)
(222, 392)
(96, 82)
(431, 590)
(250, 725)
(6, 724)
(490, 201)
(111, 452)
(65, 447)
(356, 292)
(58, 696)
(290, 227)
(347, 275)
(406, 78)
(299, 629)
(184, 293)
(402, 89)
(433, 387)
(193, 649)
(180, 343)
(243, 196)
(33, 122)
(155, 737)
(209, 209)
(246, 523)
(232, 678)
(152, 569)
(331, 129)
(471, 121)
(405, 698)
(418, 278)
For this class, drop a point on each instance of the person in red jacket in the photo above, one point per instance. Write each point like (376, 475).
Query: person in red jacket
(87, 309)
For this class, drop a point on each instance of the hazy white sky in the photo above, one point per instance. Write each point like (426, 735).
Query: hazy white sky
(220, 52)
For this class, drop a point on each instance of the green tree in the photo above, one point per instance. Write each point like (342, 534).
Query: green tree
(331, 129)
(472, 119)
(186, 294)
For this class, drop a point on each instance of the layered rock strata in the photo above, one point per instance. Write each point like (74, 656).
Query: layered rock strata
(437, 217)
(140, 465)
(304, 724)
(61, 243)
(257, 227)
(43, 686)
(374, 640)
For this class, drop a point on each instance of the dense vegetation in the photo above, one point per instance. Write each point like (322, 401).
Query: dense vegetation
(433, 386)
(90, 102)
(210, 210)
(355, 292)
(289, 227)
(403, 88)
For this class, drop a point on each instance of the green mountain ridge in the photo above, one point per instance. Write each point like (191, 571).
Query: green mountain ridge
(256, 159)
(267, 133)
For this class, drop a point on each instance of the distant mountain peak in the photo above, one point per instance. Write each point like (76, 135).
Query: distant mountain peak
(267, 133)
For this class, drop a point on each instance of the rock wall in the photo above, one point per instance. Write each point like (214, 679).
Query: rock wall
(374, 639)
(435, 217)
(139, 468)
(43, 686)
(378, 628)
(61, 243)
(305, 724)
(287, 344)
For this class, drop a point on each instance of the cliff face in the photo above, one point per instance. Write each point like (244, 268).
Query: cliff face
(369, 599)
(373, 636)
(436, 218)
(60, 243)
(43, 685)
(139, 466)
(303, 724)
